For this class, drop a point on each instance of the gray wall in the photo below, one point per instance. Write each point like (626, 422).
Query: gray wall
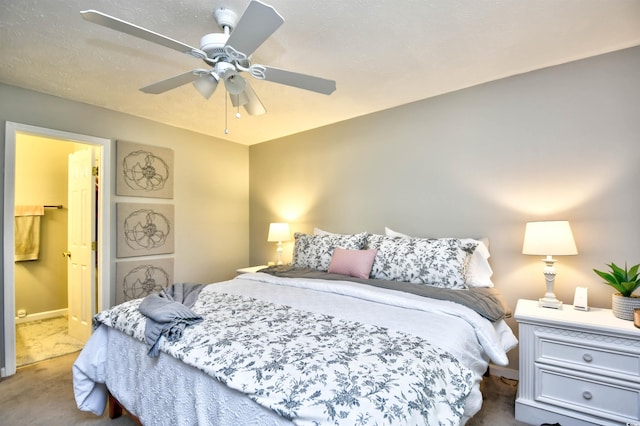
(559, 143)
(210, 187)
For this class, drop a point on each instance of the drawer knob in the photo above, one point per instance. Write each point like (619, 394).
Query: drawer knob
(587, 358)
(587, 395)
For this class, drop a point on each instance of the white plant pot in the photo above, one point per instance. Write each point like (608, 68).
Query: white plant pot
(623, 307)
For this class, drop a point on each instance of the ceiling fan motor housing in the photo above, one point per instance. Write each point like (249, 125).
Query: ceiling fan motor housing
(213, 44)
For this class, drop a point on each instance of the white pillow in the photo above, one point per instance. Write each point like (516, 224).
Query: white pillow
(391, 233)
(479, 272)
(318, 231)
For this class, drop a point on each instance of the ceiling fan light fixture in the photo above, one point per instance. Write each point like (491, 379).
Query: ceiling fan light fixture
(206, 84)
(234, 83)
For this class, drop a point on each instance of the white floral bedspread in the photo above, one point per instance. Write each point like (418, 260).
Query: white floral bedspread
(313, 368)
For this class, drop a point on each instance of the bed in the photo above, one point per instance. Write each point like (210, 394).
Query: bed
(332, 338)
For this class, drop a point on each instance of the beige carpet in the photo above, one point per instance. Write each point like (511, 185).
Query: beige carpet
(43, 339)
(498, 403)
(42, 394)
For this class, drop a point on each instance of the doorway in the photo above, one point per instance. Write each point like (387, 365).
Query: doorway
(14, 132)
(43, 221)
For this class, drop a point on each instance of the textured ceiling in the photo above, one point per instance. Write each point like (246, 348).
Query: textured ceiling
(382, 53)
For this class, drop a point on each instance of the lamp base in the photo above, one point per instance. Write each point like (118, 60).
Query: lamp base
(545, 302)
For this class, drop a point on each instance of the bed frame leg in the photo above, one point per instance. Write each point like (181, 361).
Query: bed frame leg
(115, 409)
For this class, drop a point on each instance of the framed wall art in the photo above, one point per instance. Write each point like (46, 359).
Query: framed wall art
(144, 229)
(135, 279)
(144, 170)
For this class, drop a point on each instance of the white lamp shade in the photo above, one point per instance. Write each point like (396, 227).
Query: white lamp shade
(549, 238)
(206, 84)
(279, 232)
(234, 83)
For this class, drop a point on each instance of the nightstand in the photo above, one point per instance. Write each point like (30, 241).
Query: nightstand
(250, 269)
(577, 367)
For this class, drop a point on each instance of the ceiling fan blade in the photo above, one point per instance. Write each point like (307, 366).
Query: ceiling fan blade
(171, 83)
(238, 100)
(301, 81)
(249, 100)
(256, 24)
(253, 104)
(136, 31)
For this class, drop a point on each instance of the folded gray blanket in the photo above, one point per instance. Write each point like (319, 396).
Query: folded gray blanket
(168, 313)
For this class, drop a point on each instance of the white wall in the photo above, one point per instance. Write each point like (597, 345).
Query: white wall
(559, 143)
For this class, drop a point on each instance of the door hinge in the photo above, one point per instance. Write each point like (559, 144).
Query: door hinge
(94, 171)
(94, 245)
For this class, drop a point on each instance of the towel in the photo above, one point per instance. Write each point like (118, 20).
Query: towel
(169, 313)
(27, 232)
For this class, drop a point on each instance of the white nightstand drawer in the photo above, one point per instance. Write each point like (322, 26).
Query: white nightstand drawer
(582, 354)
(603, 399)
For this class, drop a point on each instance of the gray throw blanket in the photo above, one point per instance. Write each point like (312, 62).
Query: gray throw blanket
(168, 313)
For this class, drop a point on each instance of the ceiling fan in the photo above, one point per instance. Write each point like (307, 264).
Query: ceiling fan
(226, 54)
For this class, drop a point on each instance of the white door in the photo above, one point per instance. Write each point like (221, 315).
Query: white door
(80, 253)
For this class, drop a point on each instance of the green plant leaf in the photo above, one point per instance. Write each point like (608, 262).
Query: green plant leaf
(610, 279)
(618, 272)
(620, 289)
(633, 272)
(625, 281)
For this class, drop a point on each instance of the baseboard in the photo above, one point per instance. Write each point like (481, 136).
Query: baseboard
(42, 315)
(509, 373)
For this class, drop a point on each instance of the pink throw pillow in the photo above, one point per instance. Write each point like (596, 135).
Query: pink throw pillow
(355, 263)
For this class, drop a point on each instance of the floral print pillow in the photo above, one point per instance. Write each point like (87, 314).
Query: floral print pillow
(438, 262)
(315, 251)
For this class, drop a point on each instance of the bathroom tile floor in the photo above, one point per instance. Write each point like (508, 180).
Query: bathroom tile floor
(44, 339)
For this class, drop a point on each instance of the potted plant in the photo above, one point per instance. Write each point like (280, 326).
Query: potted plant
(625, 281)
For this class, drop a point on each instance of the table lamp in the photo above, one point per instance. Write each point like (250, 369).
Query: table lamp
(279, 232)
(549, 238)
